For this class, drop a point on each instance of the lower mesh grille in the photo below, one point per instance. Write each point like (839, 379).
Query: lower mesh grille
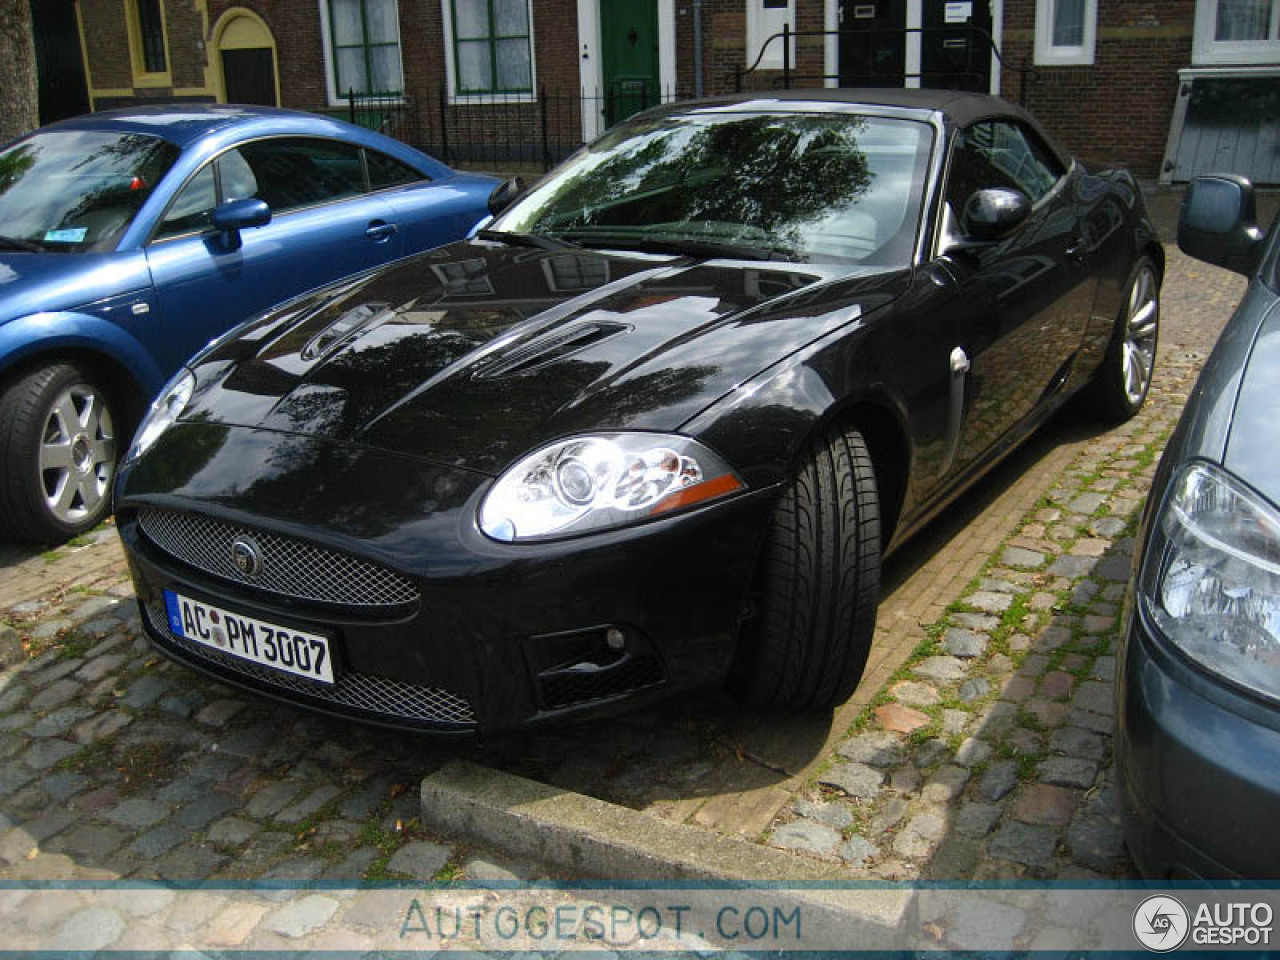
(566, 689)
(379, 696)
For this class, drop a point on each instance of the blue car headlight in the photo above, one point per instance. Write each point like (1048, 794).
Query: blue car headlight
(590, 483)
(1213, 587)
(166, 408)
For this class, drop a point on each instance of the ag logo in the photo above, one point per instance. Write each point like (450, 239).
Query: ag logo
(1161, 923)
(247, 556)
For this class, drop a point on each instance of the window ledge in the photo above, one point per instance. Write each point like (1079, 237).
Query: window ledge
(490, 99)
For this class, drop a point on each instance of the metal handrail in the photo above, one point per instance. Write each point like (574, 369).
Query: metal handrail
(1024, 71)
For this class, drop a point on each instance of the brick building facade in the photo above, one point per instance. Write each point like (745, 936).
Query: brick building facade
(1113, 79)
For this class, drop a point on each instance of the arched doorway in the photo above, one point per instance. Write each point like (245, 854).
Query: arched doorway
(246, 55)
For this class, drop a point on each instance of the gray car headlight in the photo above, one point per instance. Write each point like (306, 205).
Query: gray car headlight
(1215, 590)
(166, 408)
(589, 483)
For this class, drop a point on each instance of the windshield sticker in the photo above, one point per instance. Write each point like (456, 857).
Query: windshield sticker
(72, 235)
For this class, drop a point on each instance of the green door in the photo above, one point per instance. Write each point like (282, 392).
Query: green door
(629, 35)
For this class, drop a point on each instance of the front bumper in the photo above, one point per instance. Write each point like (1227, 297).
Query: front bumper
(483, 643)
(1197, 767)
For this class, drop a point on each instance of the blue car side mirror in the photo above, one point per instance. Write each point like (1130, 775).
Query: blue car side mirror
(236, 215)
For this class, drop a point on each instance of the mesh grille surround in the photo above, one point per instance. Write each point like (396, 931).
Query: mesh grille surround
(291, 568)
(381, 696)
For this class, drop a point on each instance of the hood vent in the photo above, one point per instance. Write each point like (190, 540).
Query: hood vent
(546, 350)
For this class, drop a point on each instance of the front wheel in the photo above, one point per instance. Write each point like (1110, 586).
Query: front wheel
(818, 584)
(1123, 380)
(59, 445)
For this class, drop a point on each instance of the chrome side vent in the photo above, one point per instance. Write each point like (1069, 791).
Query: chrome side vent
(546, 350)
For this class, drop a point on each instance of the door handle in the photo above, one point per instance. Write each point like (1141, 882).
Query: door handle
(379, 231)
(1078, 249)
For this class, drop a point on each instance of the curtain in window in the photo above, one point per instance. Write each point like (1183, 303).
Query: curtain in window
(492, 45)
(1068, 23)
(366, 46)
(1243, 20)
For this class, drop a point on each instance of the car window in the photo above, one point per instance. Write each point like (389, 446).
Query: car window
(70, 191)
(1000, 153)
(192, 208)
(293, 172)
(386, 171)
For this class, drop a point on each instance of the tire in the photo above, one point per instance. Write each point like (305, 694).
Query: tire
(818, 583)
(58, 454)
(1121, 383)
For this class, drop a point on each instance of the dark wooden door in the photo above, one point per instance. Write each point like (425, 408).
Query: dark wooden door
(872, 43)
(59, 64)
(629, 36)
(250, 76)
(955, 52)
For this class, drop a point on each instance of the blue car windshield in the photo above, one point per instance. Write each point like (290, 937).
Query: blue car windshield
(817, 187)
(70, 191)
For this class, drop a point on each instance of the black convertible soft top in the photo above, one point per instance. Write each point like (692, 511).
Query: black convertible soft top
(961, 107)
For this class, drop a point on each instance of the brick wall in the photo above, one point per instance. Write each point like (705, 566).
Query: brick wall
(724, 54)
(295, 25)
(1118, 108)
(106, 37)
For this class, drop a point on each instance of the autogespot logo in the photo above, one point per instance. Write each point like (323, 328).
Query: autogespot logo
(1161, 923)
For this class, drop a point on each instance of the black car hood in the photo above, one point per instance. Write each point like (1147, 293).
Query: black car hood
(475, 353)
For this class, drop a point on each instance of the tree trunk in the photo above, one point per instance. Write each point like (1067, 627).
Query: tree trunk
(19, 103)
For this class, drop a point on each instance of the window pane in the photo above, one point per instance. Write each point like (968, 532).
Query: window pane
(294, 173)
(238, 180)
(346, 22)
(1243, 19)
(474, 71)
(193, 207)
(380, 16)
(351, 71)
(471, 19)
(386, 171)
(151, 27)
(513, 64)
(384, 63)
(511, 18)
(1068, 23)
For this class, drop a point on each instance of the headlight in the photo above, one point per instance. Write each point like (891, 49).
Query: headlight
(1215, 588)
(590, 483)
(164, 411)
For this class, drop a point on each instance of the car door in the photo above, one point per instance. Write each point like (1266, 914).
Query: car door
(324, 225)
(1021, 305)
(429, 214)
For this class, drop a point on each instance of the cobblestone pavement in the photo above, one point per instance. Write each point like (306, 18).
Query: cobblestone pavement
(978, 745)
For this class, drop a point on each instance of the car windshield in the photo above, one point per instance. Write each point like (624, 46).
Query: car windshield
(69, 191)
(831, 187)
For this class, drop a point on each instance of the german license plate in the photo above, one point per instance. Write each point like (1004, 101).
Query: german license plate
(268, 644)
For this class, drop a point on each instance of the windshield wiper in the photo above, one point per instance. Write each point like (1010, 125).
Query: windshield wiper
(688, 246)
(14, 243)
(538, 240)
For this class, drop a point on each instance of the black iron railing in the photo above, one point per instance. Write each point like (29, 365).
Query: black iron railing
(506, 130)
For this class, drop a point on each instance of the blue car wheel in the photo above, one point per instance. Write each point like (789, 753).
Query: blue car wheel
(59, 443)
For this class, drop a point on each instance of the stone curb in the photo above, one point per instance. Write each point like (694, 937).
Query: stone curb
(593, 838)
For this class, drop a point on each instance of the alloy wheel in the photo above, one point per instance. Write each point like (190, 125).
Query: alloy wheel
(77, 453)
(1141, 328)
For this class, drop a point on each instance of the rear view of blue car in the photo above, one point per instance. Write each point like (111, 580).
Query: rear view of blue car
(130, 239)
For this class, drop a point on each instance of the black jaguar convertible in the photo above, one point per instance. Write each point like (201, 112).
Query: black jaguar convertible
(653, 428)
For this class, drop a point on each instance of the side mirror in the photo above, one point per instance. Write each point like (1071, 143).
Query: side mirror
(236, 215)
(505, 194)
(1218, 222)
(992, 214)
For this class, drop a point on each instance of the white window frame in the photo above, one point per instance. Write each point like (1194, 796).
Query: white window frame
(330, 63)
(1048, 54)
(1206, 51)
(450, 68)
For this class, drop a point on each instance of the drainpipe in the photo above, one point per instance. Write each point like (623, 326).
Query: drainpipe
(697, 48)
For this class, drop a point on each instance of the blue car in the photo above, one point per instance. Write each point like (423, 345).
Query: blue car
(130, 239)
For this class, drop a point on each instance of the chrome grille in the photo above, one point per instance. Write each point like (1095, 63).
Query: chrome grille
(292, 568)
(376, 695)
